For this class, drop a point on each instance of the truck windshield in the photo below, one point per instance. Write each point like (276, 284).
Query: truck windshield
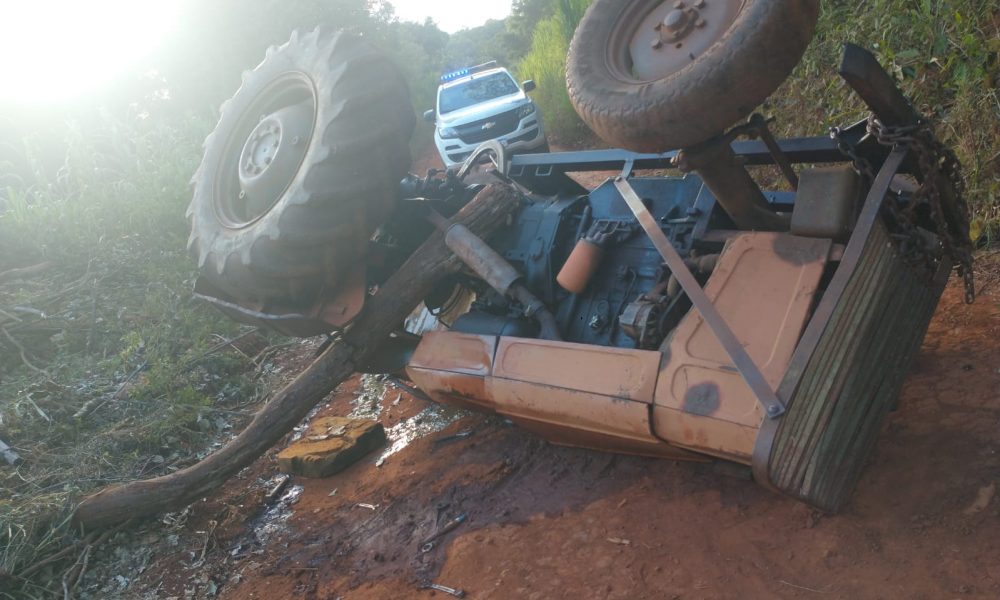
(475, 91)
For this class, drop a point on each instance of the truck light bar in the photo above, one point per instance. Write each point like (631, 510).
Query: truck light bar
(468, 71)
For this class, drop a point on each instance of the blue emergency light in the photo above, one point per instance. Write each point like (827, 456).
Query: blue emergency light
(467, 71)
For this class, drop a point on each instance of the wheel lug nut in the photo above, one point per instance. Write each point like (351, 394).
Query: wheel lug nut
(657, 44)
(701, 23)
(675, 20)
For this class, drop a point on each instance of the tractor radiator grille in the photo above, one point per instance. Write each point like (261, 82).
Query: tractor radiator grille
(854, 376)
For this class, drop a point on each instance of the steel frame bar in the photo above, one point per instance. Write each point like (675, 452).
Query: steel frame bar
(753, 152)
(773, 407)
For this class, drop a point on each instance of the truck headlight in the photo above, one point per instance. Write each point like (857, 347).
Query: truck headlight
(525, 110)
(448, 133)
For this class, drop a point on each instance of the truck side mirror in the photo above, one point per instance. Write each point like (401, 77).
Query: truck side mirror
(429, 115)
(529, 85)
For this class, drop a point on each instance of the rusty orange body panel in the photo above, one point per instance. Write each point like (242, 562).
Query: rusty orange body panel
(764, 286)
(683, 402)
(580, 395)
(453, 367)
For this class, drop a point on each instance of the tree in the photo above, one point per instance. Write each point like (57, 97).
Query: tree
(524, 17)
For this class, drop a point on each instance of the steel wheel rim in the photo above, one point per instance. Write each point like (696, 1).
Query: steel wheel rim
(654, 40)
(265, 151)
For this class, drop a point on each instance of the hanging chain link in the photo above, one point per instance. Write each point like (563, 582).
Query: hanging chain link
(941, 191)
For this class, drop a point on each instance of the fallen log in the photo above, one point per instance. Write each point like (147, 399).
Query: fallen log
(383, 313)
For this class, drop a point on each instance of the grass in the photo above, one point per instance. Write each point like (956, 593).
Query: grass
(944, 54)
(105, 369)
(546, 64)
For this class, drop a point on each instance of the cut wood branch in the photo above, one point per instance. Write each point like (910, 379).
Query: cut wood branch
(23, 272)
(382, 315)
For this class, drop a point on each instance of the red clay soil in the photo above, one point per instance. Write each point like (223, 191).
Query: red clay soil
(548, 522)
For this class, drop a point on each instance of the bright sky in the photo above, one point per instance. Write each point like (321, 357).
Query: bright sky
(54, 50)
(452, 15)
(57, 49)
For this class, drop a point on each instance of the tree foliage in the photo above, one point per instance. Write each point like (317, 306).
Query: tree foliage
(546, 64)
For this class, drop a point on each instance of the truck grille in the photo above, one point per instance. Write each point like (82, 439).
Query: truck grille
(478, 131)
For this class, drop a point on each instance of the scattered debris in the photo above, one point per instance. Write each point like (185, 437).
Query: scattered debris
(278, 488)
(368, 506)
(330, 433)
(620, 541)
(983, 498)
(368, 401)
(802, 587)
(12, 458)
(274, 519)
(333, 493)
(432, 419)
(428, 544)
(451, 438)
(445, 589)
(330, 445)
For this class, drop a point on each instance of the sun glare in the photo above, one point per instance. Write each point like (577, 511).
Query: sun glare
(55, 50)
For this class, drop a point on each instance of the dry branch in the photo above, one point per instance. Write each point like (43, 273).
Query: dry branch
(382, 315)
(24, 271)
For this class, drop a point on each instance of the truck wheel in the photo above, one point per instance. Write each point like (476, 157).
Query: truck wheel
(304, 164)
(654, 75)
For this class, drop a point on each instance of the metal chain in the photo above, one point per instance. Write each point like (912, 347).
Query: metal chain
(942, 190)
(910, 243)
(860, 163)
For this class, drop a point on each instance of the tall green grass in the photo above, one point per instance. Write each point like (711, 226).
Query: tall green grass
(945, 55)
(102, 377)
(546, 64)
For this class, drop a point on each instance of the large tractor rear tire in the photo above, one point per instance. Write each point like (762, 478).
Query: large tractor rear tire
(655, 75)
(304, 164)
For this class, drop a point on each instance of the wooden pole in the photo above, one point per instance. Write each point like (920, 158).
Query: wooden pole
(383, 313)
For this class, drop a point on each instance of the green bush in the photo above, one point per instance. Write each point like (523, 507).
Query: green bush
(546, 64)
(944, 54)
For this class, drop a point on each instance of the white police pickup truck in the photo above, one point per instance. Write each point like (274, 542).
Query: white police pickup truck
(483, 103)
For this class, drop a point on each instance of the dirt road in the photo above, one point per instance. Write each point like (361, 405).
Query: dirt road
(548, 522)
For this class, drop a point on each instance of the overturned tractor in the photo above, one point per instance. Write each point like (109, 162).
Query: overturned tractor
(688, 316)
